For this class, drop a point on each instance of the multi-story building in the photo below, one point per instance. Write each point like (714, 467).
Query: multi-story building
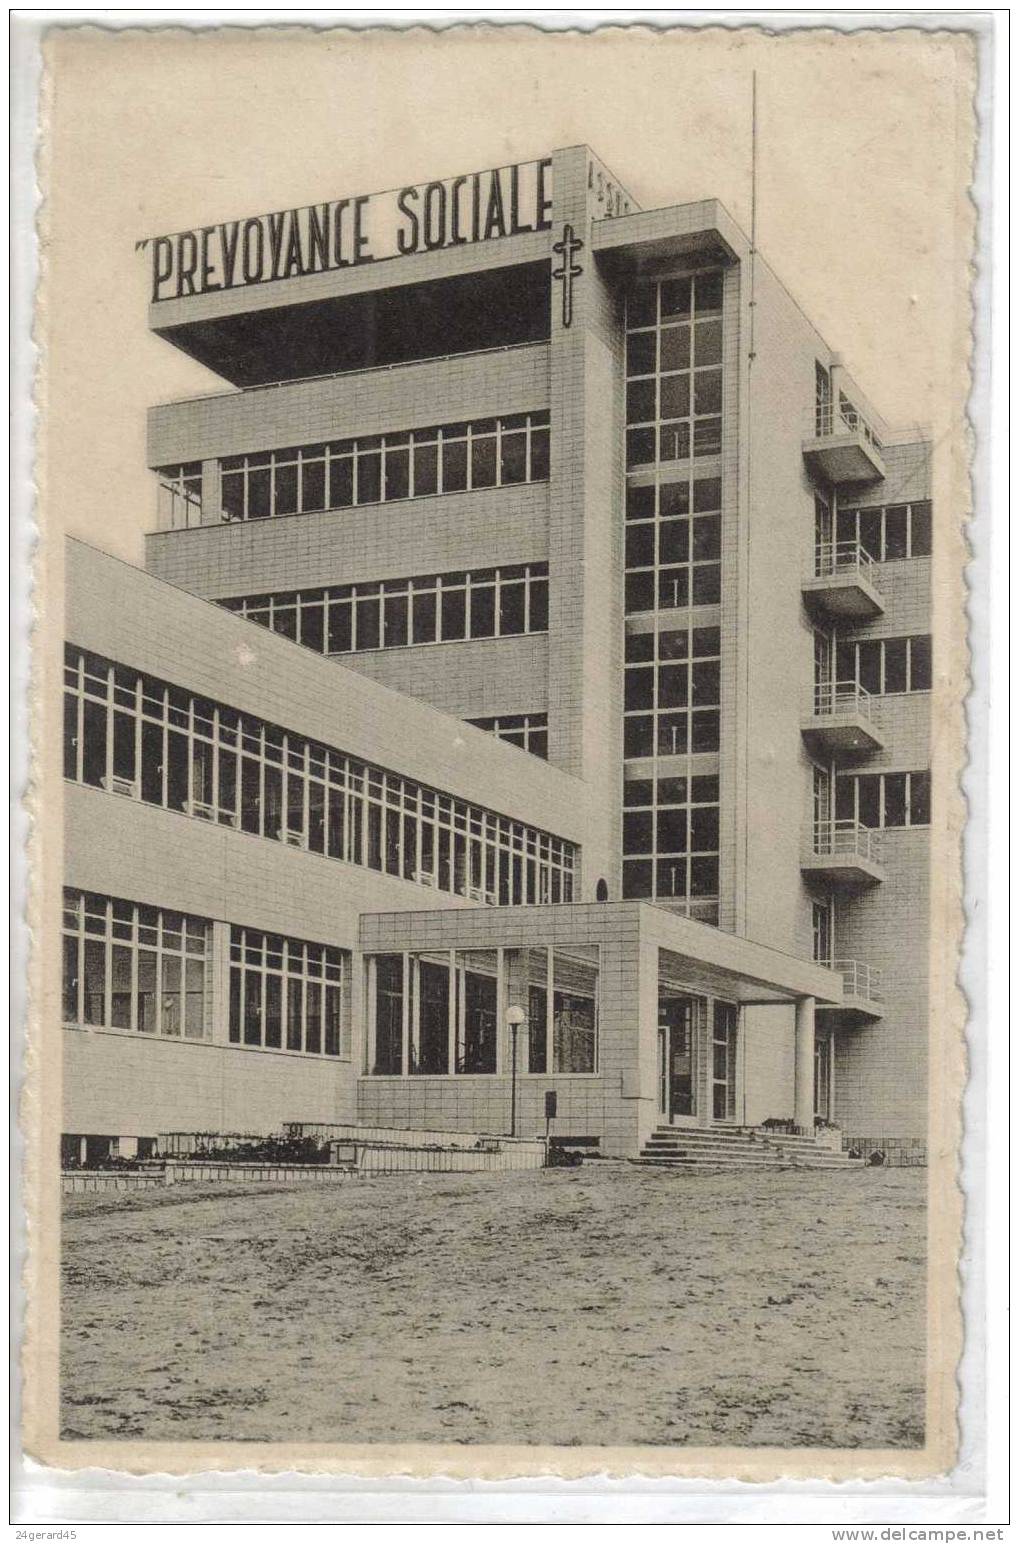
(538, 619)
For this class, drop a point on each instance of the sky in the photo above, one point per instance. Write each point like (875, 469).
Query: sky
(863, 141)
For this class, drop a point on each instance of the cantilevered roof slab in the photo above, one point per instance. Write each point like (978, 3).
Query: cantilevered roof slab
(633, 241)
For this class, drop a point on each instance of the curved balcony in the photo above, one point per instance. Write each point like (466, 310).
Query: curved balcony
(840, 582)
(843, 721)
(843, 852)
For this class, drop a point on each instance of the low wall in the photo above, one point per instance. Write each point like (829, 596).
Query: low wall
(75, 1182)
(437, 1160)
(81, 1181)
(399, 1136)
(482, 1104)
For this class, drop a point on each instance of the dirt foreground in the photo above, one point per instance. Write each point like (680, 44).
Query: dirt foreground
(606, 1305)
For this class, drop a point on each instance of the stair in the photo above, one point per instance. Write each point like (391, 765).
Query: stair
(737, 1147)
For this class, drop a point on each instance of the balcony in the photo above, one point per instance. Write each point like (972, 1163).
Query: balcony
(843, 721)
(177, 508)
(862, 992)
(840, 582)
(844, 853)
(841, 446)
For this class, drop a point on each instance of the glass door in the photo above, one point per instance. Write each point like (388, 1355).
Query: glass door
(677, 1021)
(822, 931)
(822, 1076)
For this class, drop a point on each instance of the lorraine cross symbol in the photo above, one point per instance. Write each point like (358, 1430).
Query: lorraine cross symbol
(568, 270)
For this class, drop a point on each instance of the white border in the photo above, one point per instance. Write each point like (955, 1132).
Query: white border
(975, 1494)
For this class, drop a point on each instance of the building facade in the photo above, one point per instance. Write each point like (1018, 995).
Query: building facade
(540, 619)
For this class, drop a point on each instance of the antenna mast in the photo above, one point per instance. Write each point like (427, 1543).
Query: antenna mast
(753, 211)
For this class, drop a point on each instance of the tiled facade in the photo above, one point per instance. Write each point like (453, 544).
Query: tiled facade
(760, 464)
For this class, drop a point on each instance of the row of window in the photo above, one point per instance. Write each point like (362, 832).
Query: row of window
(528, 730)
(671, 733)
(692, 878)
(687, 673)
(135, 967)
(671, 842)
(670, 831)
(888, 532)
(673, 368)
(287, 994)
(147, 970)
(884, 799)
(394, 613)
(433, 1015)
(653, 302)
(884, 666)
(673, 541)
(671, 496)
(672, 707)
(374, 469)
(673, 544)
(162, 744)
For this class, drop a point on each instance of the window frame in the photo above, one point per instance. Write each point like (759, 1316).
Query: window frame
(129, 932)
(273, 771)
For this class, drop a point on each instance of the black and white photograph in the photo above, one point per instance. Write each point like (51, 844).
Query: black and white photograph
(502, 501)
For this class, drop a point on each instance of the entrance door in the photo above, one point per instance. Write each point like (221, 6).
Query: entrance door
(677, 1057)
(822, 1076)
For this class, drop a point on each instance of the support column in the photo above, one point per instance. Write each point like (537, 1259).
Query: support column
(803, 1073)
(212, 493)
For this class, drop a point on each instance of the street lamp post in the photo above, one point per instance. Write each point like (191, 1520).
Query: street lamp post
(515, 1016)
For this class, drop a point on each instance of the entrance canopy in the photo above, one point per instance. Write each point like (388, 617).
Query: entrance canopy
(691, 954)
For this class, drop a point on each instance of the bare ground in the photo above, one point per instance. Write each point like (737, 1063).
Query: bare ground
(606, 1305)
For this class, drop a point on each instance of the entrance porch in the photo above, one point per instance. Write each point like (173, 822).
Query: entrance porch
(633, 1017)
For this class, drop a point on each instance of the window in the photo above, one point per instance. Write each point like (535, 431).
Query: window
(673, 545)
(888, 532)
(674, 369)
(395, 613)
(528, 730)
(822, 400)
(287, 994)
(884, 799)
(209, 761)
(135, 967)
(886, 665)
(442, 1015)
(478, 1019)
(822, 933)
(374, 469)
(671, 842)
(180, 495)
(672, 692)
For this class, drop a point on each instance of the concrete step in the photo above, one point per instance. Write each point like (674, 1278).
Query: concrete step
(707, 1134)
(708, 1147)
(712, 1162)
(732, 1161)
(738, 1147)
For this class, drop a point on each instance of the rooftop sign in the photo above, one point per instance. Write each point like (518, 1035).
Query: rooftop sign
(505, 201)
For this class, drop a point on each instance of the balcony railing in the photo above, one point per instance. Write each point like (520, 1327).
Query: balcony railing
(846, 839)
(860, 980)
(844, 419)
(841, 699)
(834, 558)
(176, 508)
